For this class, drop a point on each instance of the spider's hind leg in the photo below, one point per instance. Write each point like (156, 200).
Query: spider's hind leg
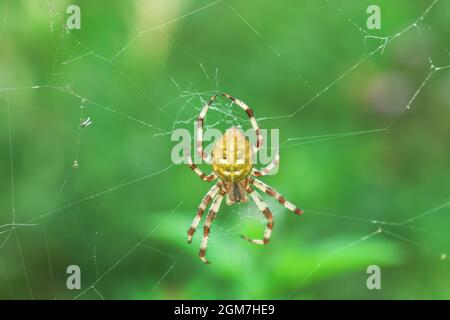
(275, 194)
(210, 195)
(207, 227)
(267, 214)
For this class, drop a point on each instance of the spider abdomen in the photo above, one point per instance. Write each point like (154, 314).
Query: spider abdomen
(232, 157)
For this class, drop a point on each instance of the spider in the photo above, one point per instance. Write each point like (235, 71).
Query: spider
(232, 166)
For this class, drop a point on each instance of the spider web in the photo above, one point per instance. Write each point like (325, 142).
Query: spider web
(65, 207)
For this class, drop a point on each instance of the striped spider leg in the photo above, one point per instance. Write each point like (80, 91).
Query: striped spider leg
(274, 163)
(210, 195)
(262, 206)
(275, 194)
(199, 172)
(201, 119)
(209, 220)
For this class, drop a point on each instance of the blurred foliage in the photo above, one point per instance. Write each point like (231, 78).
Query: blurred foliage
(122, 215)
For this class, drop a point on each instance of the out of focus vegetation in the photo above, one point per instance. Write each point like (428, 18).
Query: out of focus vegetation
(121, 213)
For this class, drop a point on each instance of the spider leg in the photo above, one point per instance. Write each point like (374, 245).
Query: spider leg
(201, 208)
(251, 117)
(262, 206)
(199, 172)
(200, 122)
(275, 194)
(209, 220)
(262, 172)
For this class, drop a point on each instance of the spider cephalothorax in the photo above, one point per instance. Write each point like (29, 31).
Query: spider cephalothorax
(232, 163)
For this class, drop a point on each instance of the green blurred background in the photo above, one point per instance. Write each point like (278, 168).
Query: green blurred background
(140, 69)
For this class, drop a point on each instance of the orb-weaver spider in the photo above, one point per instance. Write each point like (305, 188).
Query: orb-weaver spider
(232, 165)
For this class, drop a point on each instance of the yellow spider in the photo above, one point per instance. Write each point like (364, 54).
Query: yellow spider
(232, 165)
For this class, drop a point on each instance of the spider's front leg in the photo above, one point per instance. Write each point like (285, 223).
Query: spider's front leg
(207, 227)
(262, 206)
(274, 163)
(201, 208)
(199, 130)
(199, 172)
